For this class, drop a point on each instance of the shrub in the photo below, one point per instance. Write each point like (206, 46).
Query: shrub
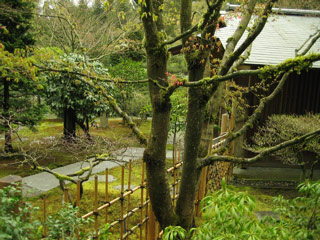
(280, 128)
(230, 215)
(15, 217)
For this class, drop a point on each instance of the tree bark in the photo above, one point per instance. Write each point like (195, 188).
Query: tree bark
(69, 124)
(190, 175)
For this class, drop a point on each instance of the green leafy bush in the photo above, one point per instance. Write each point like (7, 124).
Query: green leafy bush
(230, 215)
(15, 217)
(280, 128)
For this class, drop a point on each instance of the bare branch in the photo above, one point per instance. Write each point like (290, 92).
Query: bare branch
(46, 69)
(258, 26)
(195, 28)
(232, 42)
(294, 64)
(315, 38)
(212, 159)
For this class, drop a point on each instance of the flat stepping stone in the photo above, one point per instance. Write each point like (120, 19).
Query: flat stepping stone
(118, 187)
(102, 178)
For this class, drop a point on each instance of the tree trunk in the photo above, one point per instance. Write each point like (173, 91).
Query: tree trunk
(104, 123)
(85, 129)
(155, 153)
(7, 134)
(190, 175)
(69, 124)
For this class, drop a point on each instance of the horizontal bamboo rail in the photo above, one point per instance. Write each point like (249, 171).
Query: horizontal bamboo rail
(108, 204)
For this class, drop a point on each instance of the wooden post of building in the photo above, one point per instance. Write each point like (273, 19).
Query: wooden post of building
(224, 123)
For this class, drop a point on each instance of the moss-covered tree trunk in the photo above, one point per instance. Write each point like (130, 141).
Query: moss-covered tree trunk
(155, 153)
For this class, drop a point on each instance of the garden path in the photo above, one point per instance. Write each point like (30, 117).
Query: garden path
(39, 183)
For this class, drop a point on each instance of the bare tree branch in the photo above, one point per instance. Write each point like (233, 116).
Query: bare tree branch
(212, 159)
(315, 38)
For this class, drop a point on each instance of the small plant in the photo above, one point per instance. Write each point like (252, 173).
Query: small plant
(15, 216)
(105, 233)
(65, 224)
(174, 233)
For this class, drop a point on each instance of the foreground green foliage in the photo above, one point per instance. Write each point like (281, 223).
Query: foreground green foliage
(15, 220)
(230, 215)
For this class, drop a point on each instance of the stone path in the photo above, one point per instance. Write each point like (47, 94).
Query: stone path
(36, 184)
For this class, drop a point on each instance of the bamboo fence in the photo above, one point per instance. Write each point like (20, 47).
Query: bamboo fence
(147, 225)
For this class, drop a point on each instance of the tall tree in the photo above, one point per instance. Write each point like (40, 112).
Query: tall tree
(198, 44)
(15, 21)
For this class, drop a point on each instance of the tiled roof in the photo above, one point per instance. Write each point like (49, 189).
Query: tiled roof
(281, 36)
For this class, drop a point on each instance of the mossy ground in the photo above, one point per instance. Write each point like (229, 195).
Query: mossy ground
(57, 157)
(117, 131)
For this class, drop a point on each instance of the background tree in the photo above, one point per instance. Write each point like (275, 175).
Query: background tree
(15, 23)
(69, 96)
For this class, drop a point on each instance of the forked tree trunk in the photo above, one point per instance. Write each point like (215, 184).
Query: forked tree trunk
(155, 153)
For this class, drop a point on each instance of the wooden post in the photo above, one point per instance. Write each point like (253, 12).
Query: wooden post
(96, 223)
(45, 215)
(121, 204)
(141, 201)
(106, 199)
(147, 215)
(224, 123)
(129, 188)
(65, 195)
(152, 225)
(78, 194)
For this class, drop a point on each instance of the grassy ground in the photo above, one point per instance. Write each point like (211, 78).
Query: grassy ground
(60, 155)
(116, 133)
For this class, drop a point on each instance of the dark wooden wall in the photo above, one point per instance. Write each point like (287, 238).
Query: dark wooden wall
(300, 95)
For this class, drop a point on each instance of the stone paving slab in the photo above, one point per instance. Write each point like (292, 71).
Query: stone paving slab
(36, 184)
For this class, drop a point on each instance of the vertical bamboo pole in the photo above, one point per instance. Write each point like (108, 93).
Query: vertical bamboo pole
(152, 225)
(96, 223)
(65, 195)
(179, 160)
(44, 215)
(78, 194)
(106, 199)
(78, 203)
(121, 204)
(141, 201)
(147, 215)
(129, 188)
